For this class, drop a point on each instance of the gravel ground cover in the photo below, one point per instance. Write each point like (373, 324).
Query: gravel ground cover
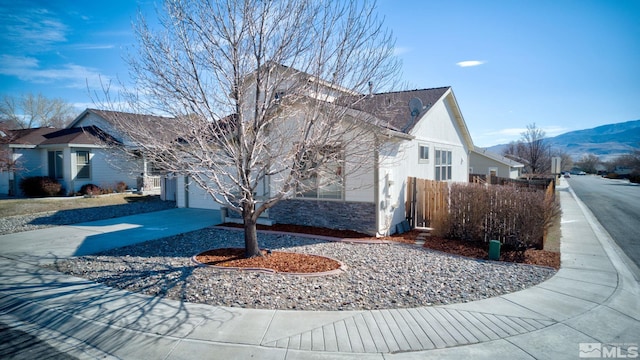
(378, 275)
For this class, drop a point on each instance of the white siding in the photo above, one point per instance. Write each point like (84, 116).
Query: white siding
(4, 182)
(198, 198)
(29, 164)
(105, 171)
(181, 200)
(437, 129)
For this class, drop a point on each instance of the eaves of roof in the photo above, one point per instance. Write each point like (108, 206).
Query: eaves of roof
(496, 157)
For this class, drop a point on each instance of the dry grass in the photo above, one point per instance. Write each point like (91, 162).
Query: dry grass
(553, 236)
(12, 207)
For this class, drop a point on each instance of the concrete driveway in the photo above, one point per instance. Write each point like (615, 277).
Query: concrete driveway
(45, 245)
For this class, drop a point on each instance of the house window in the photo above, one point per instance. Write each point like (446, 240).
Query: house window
(322, 175)
(55, 164)
(83, 165)
(443, 165)
(423, 153)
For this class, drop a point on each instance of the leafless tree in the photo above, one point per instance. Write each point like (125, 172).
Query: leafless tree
(30, 111)
(536, 149)
(589, 163)
(254, 88)
(7, 162)
(532, 150)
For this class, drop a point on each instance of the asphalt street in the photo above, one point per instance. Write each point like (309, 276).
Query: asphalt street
(616, 205)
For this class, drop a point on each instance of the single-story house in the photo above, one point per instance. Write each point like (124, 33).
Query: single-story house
(426, 137)
(486, 163)
(77, 155)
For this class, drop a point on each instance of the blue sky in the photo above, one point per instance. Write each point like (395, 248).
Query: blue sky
(562, 64)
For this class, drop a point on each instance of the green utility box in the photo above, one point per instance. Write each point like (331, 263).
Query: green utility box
(494, 250)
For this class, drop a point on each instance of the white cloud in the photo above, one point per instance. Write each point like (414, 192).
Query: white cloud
(508, 132)
(507, 135)
(66, 75)
(94, 46)
(397, 51)
(552, 131)
(33, 29)
(470, 63)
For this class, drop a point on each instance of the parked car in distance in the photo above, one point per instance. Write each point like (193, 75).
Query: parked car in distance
(582, 173)
(567, 175)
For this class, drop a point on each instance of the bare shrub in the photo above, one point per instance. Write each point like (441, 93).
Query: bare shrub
(516, 216)
(468, 205)
(41, 186)
(121, 187)
(90, 189)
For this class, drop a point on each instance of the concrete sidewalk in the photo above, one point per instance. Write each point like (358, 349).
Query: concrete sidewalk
(592, 300)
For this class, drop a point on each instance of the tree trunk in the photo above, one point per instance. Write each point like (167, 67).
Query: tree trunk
(250, 233)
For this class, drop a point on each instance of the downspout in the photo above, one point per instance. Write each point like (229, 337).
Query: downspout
(376, 182)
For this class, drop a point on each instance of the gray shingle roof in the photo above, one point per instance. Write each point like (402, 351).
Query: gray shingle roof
(497, 157)
(89, 135)
(393, 107)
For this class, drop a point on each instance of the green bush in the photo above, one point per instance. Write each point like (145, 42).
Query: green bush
(90, 189)
(41, 186)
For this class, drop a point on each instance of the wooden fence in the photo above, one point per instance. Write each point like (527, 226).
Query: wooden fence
(477, 214)
(537, 183)
(426, 201)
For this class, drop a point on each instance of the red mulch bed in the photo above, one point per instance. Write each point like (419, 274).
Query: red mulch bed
(455, 247)
(279, 261)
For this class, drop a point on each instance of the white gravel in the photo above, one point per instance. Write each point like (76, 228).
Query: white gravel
(378, 276)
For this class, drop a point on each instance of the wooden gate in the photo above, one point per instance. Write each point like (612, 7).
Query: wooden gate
(427, 201)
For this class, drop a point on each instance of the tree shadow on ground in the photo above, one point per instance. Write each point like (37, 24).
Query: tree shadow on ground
(87, 318)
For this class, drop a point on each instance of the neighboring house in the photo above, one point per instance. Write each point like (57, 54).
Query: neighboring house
(141, 173)
(425, 137)
(76, 155)
(484, 162)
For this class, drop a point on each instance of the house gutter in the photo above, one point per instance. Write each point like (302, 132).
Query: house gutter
(397, 134)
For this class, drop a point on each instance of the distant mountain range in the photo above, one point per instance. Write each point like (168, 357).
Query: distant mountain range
(606, 141)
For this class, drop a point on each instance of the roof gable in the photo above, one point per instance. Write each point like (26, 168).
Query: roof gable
(90, 135)
(496, 157)
(393, 107)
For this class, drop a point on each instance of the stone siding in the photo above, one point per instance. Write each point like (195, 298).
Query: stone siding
(356, 216)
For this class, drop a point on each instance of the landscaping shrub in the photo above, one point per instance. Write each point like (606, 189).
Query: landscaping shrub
(90, 189)
(635, 178)
(121, 187)
(516, 216)
(41, 186)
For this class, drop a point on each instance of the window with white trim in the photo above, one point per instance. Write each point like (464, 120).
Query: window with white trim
(443, 165)
(423, 153)
(83, 164)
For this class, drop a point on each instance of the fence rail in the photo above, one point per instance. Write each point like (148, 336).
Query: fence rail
(427, 200)
(515, 212)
